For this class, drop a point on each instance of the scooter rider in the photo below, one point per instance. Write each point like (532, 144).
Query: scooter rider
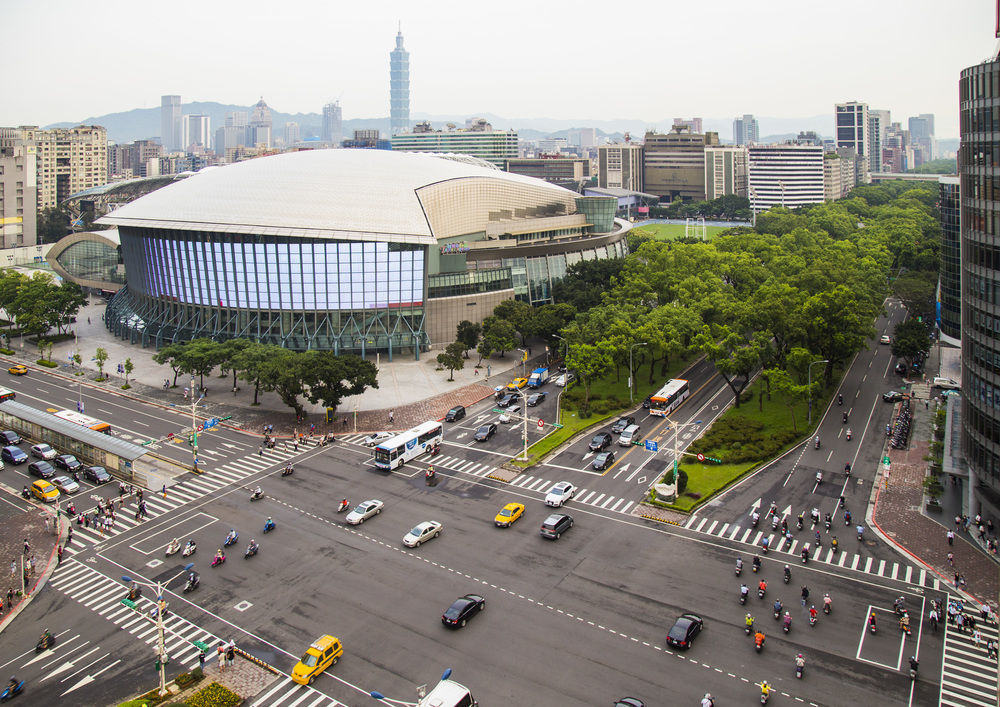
(800, 662)
(805, 555)
(762, 587)
(343, 504)
(787, 622)
(777, 606)
(257, 493)
(14, 682)
(744, 591)
(848, 434)
(871, 621)
(756, 562)
(788, 573)
(749, 620)
(914, 666)
(708, 700)
(812, 612)
(840, 399)
(798, 521)
(827, 603)
(253, 545)
(845, 418)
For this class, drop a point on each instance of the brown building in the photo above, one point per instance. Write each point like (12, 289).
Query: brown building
(674, 164)
(556, 170)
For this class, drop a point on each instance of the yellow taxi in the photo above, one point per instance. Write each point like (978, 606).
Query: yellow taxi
(44, 491)
(517, 384)
(324, 652)
(508, 514)
(18, 370)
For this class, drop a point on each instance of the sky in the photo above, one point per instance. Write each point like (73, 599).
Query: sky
(644, 60)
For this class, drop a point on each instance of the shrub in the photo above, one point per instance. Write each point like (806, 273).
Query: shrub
(7, 352)
(47, 363)
(197, 674)
(215, 695)
(682, 480)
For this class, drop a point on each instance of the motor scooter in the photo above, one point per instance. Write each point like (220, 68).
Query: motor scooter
(173, 548)
(192, 584)
(848, 434)
(45, 642)
(11, 691)
(817, 443)
(189, 549)
(788, 574)
(231, 539)
(819, 476)
(218, 560)
(254, 496)
(250, 551)
(739, 566)
(798, 669)
(288, 470)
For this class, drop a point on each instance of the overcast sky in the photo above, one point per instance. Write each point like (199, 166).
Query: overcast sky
(641, 60)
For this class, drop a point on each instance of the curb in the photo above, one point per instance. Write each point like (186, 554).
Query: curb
(254, 659)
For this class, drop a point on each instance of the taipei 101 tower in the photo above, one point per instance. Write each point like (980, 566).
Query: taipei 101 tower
(399, 87)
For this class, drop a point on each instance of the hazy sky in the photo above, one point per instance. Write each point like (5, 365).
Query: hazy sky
(641, 60)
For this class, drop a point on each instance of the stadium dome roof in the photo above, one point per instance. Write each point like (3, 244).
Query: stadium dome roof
(340, 193)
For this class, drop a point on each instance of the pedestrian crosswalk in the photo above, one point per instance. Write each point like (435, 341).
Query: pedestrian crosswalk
(968, 672)
(285, 693)
(817, 553)
(191, 489)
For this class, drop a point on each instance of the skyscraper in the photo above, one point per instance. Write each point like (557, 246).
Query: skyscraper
(67, 160)
(853, 129)
(260, 125)
(197, 131)
(745, 130)
(399, 87)
(171, 130)
(879, 122)
(291, 133)
(333, 130)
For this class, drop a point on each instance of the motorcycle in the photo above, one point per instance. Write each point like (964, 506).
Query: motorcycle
(173, 548)
(840, 399)
(799, 666)
(786, 625)
(231, 539)
(777, 610)
(24, 493)
(812, 620)
(287, 471)
(269, 526)
(798, 521)
(817, 443)
(134, 592)
(189, 549)
(914, 665)
(775, 522)
(749, 627)
(805, 556)
(743, 595)
(788, 574)
(847, 518)
(251, 551)
(848, 434)
(764, 544)
(429, 475)
(758, 643)
(847, 470)
(218, 560)
(256, 496)
(871, 626)
(819, 476)
(344, 505)
(754, 519)
(761, 591)
(739, 567)
(45, 642)
(756, 565)
(435, 450)
(11, 691)
(827, 604)
(71, 510)
(828, 521)
(192, 584)
(155, 609)
(845, 418)
(835, 546)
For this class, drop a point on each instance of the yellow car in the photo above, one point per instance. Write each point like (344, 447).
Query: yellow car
(324, 652)
(508, 514)
(517, 384)
(18, 370)
(44, 491)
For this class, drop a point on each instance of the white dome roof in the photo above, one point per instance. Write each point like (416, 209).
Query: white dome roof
(340, 193)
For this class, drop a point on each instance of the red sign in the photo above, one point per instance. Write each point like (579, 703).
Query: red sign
(645, 209)
(701, 457)
(541, 423)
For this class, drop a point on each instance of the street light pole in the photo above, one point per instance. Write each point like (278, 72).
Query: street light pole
(811, 388)
(194, 426)
(565, 346)
(631, 385)
(677, 452)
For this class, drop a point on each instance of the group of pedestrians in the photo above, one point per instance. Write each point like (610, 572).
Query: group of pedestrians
(226, 654)
(966, 622)
(981, 528)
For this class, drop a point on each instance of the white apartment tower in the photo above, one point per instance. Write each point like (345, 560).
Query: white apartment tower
(171, 129)
(785, 175)
(67, 160)
(745, 130)
(333, 123)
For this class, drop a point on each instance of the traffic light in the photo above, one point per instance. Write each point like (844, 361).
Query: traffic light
(129, 603)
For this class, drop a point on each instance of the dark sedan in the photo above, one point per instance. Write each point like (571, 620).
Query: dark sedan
(68, 462)
(603, 460)
(463, 609)
(485, 432)
(893, 396)
(684, 630)
(536, 398)
(600, 441)
(41, 469)
(97, 474)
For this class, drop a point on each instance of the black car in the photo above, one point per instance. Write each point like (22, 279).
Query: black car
(510, 399)
(97, 474)
(68, 462)
(463, 609)
(555, 525)
(455, 414)
(10, 437)
(684, 631)
(901, 369)
(600, 441)
(893, 396)
(536, 398)
(41, 469)
(485, 432)
(621, 424)
(647, 402)
(13, 454)
(603, 460)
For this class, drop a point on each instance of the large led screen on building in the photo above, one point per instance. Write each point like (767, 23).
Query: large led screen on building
(284, 274)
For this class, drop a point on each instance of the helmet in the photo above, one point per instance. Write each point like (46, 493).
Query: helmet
(799, 655)
(269, 519)
(786, 567)
(787, 614)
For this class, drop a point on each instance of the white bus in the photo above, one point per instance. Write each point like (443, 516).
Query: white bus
(666, 399)
(393, 453)
(84, 421)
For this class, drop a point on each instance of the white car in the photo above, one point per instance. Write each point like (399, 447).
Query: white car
(562, 380)
(559, 494)
(375, 437)
(422, 533)
(885, 339)
(65, 484)
(946, 384)
(363, 511)
(43, 451)
(504, 418)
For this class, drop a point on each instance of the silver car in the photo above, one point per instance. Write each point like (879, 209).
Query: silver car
(65, 484)
(363, 511)
(43, 451)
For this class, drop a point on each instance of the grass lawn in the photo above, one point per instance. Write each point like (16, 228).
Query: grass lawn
(669, 231)
(706, 480)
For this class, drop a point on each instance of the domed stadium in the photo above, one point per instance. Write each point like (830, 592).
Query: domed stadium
(346, 250)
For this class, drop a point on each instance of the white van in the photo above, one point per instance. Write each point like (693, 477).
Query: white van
(945, 384)
(629, 435)
(448, 693)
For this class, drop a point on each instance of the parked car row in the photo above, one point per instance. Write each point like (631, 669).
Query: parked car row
(48, 462)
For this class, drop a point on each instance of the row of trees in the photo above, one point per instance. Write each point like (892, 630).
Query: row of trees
(38, 304)
(318, 376)
(729, 207)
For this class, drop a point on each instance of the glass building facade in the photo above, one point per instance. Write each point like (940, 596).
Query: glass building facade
(979, 174)
(950, 296)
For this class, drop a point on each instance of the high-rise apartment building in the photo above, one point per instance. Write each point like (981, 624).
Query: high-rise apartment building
(399, 88)
(171, 130)
(291, 133)
(853, 129)
(260, 125)
(620, 167)
(333, 124)
(583, 137)
(745, 130)
(785, 175)
(18, 196)
(693, 125)
(725, 170)
(67, 160)
(950, 276)
(482, 141)
(146, 156)
(879, 122)
(233, 134)
(674, 164)
(839, 173)
(197, 131)
(922, 135)
(978, 162)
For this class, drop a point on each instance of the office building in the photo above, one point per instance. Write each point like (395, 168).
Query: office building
(481, 140)
(399, 88)
(291, 133)
(564, 171)
(978, 162)
(259, 128)
(674, 164)
(333, 123)
(347, 250)
(725, 171)
(367, 140)
(854, 129)
(785, 175)
(171, 128)
(922, 135)
(745, 130)
(620, 167)
(950, 276)
(879, 122)
(552, 145)
(67, 160)
(583, 137)
(18, 196)
(693, 125)
(145, 156)
(197, 132)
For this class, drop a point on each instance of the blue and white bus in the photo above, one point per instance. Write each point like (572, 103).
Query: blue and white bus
(666, 399)
(393, 453)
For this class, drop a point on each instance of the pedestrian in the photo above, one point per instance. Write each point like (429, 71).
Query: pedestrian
(951, 559)
(88, 320)
(27, 547)
(961, 581)
(991, 646)
(138, 514)
(10, 597)
(989, 526)
(477, 371)
(977, 637)
(982, 531)
(69, 535)
(86, 521)
(260, 452)
(185, 393)
(927, 404)
(951, 537)
(164, 491)
(13, 568)
(201, 660)
(296, 444)
(952, 612)
(986, 612)
(221, 651)
(312, 429)
(138, 494)
(392, 416)
(960, 621)
(59, 553)
(958, 522)
(933, 616)
(31, 564)
(231, 652)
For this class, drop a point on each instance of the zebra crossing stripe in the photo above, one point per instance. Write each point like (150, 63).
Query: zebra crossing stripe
(627, 506)
(598, 499)
(618, 503)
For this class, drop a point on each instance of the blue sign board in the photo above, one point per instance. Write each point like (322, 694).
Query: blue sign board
(651, 445)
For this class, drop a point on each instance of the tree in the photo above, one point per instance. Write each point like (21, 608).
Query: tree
(283, 373)
(916, 291)
(253, 364)
(172, 355)
(499, 334)
(199, 357)
(65, 303)
(790, 392)
(330, 378)
(452, 358)
(521, 317)
(229, 351)
(837, 325)
(584, 282)
(128, 367)
(468, 333)
(910, 340)
(101, 356)
(52, 224)
(590, 362)
(735, 356)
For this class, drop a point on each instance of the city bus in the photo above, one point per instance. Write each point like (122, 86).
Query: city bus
(7, 394)
(80, 419)
(393, 453)
(666, 399)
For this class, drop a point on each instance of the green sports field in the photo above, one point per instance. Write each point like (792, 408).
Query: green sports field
(668, 231)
